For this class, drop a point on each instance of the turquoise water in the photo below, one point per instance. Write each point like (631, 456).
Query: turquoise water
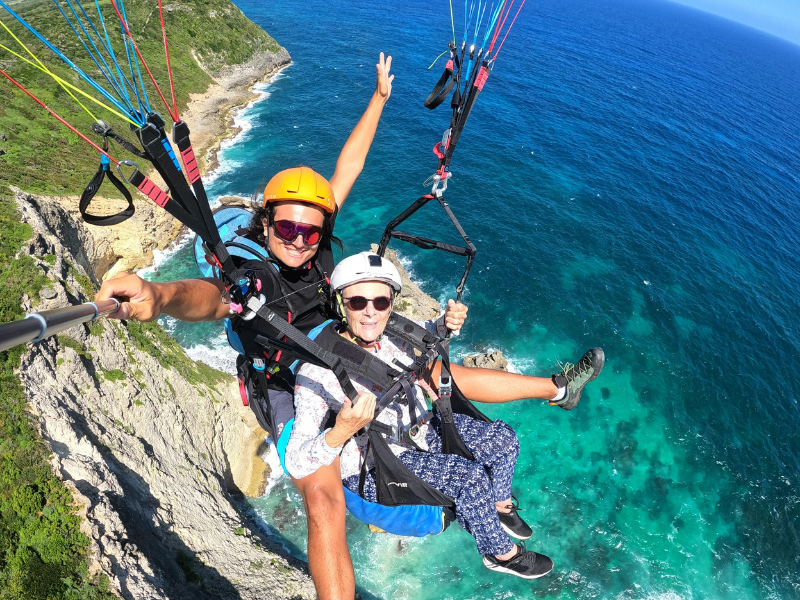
(629, 177)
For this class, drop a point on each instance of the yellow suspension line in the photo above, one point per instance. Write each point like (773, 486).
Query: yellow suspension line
(46, 70)
(69, 85)
(438, 57)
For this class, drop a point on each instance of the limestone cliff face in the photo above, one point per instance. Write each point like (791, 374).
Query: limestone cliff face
(152, 443)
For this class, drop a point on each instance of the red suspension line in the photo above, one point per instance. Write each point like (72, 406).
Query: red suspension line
(507, 30)
(169, 66)
(139, 54)
(499, 25)
(52, 112)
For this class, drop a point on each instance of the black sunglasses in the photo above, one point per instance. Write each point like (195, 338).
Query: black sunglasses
(381, 303)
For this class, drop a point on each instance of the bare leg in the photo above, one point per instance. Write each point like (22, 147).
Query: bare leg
(328, 556)
(487, 385)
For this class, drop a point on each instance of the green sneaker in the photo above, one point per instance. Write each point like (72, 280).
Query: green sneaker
(574, 377)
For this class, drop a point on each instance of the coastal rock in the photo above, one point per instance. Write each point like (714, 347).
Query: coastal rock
(413, 302)
(489, 360)
(210, 114)
(152, 444)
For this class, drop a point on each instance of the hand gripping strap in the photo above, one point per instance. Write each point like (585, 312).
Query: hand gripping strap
(92, 189)
(442, 87)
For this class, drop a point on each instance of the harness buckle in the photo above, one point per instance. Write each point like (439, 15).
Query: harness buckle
(445, 386)
(415, 433)
(127, 163)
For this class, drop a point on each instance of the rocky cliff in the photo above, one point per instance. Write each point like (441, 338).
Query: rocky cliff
(154, 445)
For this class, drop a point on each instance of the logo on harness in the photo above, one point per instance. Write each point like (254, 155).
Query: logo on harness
(405, 485)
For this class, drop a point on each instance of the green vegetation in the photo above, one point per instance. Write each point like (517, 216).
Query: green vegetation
(88, 288)
(43, 554)
(41, 154)
(151, 339)
(114, 375)
(69, 342)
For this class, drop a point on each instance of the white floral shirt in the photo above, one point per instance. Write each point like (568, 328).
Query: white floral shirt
(318, 390)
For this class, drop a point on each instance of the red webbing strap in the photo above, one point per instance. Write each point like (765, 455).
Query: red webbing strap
(190, 165)
(151, 190)
(480, 80)
(160, 197)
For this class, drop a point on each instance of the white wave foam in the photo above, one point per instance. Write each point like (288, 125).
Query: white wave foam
(243, 119)
(221, 356)
(273, 461)
(161, 256)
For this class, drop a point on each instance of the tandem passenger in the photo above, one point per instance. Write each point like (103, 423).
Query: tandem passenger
(365, 287)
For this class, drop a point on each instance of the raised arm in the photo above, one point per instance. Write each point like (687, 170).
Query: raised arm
(352, 157)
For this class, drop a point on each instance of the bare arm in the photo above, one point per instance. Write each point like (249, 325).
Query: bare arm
(354, 153)
(186, 300)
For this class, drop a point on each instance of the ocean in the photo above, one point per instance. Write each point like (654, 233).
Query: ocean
(630, 178)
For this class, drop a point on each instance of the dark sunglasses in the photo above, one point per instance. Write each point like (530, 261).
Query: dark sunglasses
(289, 230)
(381, 303)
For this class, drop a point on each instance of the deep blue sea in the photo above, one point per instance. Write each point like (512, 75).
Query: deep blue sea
(630, 178)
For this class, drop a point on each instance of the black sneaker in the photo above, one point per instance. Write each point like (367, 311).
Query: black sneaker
(574, 377)
(525, 564)
(513, 525)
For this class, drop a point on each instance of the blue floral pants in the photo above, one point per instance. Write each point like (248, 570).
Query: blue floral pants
(474, 485)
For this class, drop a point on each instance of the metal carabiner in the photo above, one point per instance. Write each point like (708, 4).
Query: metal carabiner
(127, 163)
(440, 180)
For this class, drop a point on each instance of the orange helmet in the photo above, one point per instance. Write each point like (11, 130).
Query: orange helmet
(300, 184)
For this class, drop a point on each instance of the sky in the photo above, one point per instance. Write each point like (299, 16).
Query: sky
(777, 17)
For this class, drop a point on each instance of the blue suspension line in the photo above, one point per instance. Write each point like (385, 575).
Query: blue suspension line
(113, 57)
(113, 84)
(467, 23)
(129, 50)
(120, 84)
(60, 55)
(492, 23)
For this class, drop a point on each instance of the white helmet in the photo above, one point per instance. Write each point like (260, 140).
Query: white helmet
(365, 266)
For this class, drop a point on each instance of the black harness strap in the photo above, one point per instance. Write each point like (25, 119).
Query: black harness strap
(328, 359)
(444, 86)
(91, 191)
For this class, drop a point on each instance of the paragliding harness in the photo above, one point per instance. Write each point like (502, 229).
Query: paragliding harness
(398, 385)
(256, 371)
